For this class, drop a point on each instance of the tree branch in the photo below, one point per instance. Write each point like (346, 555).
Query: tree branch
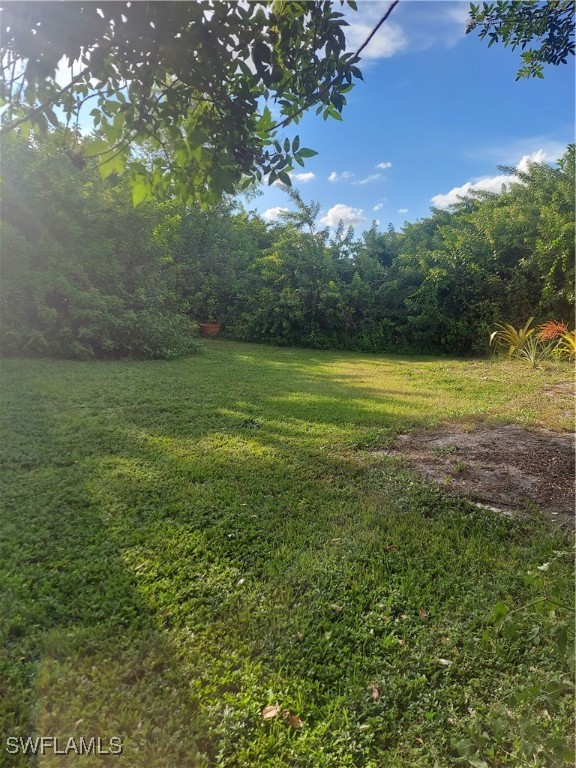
(377, 27)
(324, 91)
(45, 105)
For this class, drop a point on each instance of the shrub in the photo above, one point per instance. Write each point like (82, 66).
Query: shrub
(507, 337)
(534, 352)
(566, 346)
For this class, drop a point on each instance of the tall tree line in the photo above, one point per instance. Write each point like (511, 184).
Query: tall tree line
(86, 274)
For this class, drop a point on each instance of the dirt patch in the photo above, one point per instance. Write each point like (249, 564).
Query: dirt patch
(505, 468)
(565, 388)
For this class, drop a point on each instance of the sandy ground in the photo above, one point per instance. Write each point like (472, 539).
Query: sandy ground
(509, 468)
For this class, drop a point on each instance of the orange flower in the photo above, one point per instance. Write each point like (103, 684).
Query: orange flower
(551, 330)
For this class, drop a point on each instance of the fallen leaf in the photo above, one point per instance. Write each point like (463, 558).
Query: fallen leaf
(423, 614)
(269, 712)
(445, 662)
(292, 720)
(419, 741)
(391, 548)
(375, 692)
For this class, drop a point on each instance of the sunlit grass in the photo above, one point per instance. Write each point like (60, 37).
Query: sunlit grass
(186, 542)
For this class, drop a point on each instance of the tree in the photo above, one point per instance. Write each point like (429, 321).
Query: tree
(84, 273)
(191, 81)
(520, 23)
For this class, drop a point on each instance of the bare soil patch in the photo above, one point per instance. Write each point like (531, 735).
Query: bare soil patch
(509, 468)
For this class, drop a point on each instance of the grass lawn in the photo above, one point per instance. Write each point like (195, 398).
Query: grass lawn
(183, 544)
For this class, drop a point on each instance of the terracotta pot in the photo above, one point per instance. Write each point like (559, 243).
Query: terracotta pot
(209, 329)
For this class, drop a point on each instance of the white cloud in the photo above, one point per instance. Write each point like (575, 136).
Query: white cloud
(378, 206)
(489, 184)
(384, 166)
(540, 156)
(402, 210)
(372, 177)
(350, 216)
(492, 184)
(304, 177)
(434, 25)
(272, 214)
(456, 16)
(508, 154)
(389, 40)
(341, 176)
(414, 26)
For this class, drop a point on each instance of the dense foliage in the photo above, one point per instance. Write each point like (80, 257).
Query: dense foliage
(180, 92)
(543, 31)
(87, 274)
(84, 274)
(193, 81)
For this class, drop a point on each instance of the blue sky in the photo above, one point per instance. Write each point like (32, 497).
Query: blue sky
(438, 111)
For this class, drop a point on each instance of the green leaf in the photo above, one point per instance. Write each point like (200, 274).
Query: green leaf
(499, 611)
(141, 190)
(285, 178)
(264, 123)
(96, 148)
(53, 120)
(196, 138)
(113, 163)
(307, 152)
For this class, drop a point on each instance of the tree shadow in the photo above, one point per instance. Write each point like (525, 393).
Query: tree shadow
(83, 653)
(169, 534)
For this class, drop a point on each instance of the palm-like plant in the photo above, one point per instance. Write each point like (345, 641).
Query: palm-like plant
(566, 346)
(535, 352)
(510, 338)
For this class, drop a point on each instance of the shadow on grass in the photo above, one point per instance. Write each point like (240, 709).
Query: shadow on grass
(82, 652)
(183, 538)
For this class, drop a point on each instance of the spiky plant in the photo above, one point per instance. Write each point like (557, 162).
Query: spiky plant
(566, 346)
(508, 337)
(535, 352)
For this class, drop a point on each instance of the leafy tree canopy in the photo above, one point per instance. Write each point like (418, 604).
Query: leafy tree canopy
(550, 26)
(190, 83)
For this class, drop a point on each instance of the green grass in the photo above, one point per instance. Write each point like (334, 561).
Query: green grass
(184, 543)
